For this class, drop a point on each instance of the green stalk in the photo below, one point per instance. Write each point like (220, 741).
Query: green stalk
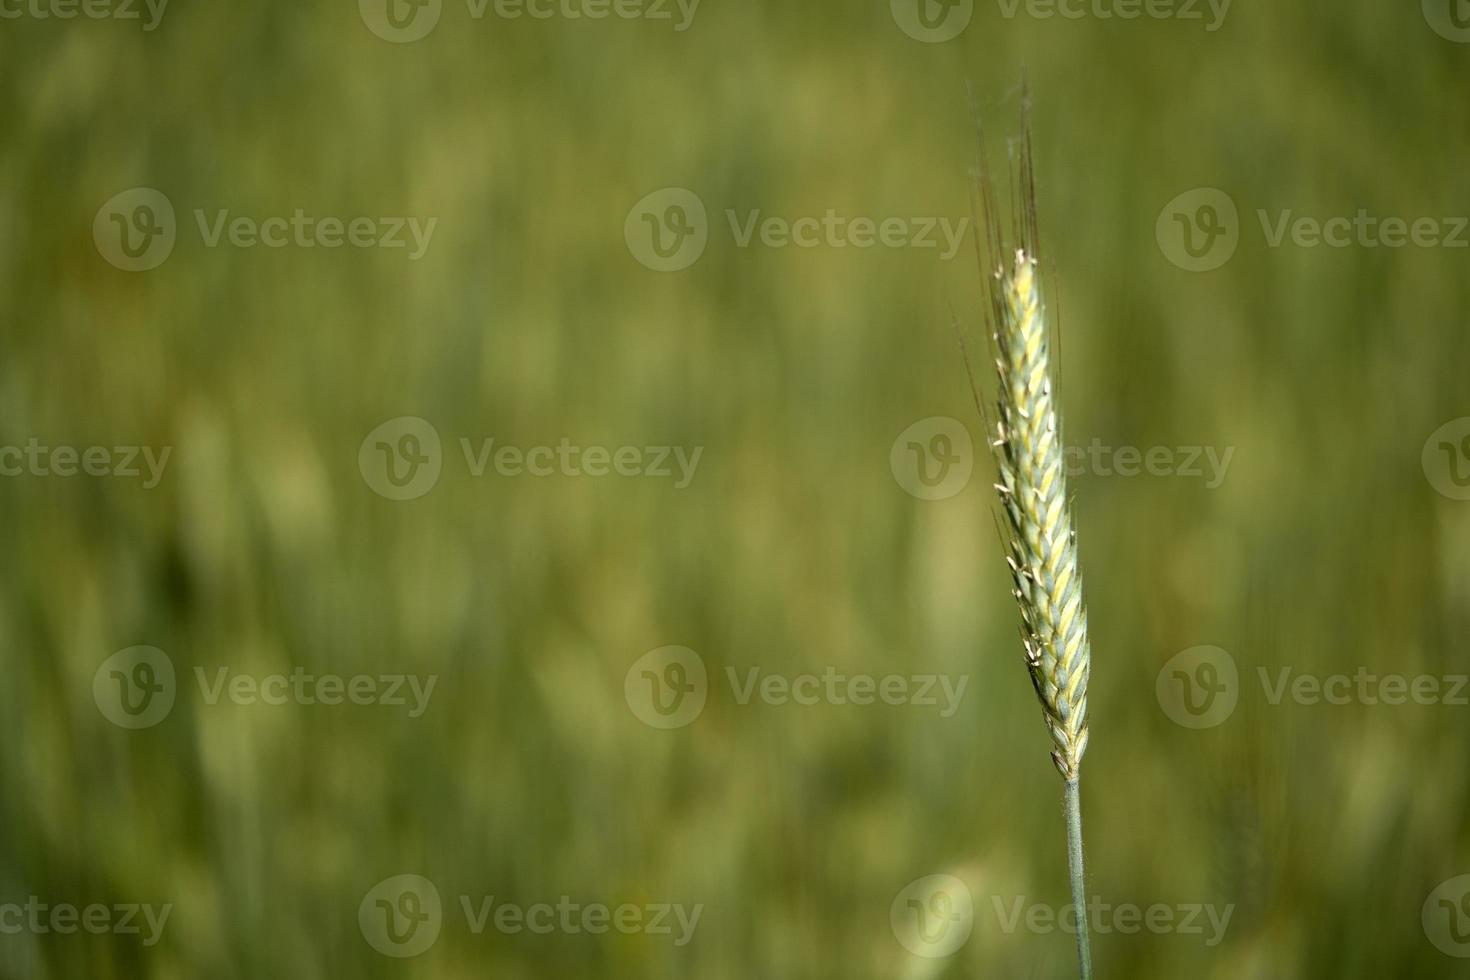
(1072, 803)
(1035, 509)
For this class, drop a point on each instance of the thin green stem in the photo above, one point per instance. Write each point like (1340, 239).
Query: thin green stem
(1072, 802)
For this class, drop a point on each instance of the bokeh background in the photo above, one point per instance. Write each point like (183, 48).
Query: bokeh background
(1327, 547)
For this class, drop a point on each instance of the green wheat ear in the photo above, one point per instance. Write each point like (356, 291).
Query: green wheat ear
(1037, 527)
(1038, 518)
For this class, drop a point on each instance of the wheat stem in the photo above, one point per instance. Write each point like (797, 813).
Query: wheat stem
(1072, 803)
(1041, 541)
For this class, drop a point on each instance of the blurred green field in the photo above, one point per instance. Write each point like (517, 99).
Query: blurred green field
(1327, 546)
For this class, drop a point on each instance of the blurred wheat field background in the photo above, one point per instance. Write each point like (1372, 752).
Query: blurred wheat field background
(1329, 544)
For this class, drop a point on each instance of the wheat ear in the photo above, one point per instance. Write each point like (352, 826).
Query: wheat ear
(1036, 514)
(1038, 518)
